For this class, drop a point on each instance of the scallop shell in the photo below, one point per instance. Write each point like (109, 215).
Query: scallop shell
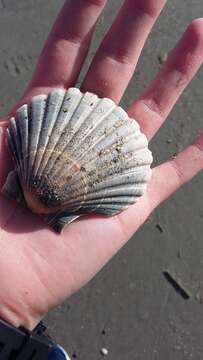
(76, 154)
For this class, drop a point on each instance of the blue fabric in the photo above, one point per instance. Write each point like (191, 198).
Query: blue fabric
(58, 354)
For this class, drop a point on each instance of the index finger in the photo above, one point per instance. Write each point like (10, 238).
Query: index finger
(65, 50)
(67, 45)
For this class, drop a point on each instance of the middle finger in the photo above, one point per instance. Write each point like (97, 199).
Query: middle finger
(117, 56)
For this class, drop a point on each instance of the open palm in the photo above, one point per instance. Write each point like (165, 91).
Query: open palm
(39, 268)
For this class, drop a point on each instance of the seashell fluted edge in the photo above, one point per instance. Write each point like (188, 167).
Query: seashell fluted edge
(75, 154)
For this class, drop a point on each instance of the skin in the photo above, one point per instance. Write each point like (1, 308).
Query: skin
(38, 268)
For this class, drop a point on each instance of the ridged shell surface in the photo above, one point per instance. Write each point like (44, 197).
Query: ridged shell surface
(76, 154)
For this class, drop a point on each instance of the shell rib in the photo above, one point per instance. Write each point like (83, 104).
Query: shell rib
(76, 154)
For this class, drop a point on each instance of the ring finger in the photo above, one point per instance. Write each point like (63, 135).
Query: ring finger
(153, 107)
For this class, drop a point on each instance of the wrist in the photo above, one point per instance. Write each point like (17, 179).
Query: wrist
(15, 317)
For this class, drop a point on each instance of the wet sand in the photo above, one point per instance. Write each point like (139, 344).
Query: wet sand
(147, 303)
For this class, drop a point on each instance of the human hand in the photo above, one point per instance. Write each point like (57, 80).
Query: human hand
(38, 268)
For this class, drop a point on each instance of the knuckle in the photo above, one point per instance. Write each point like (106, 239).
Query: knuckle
(199, 145)
(178, 171)
(95, 2)
(118, 54)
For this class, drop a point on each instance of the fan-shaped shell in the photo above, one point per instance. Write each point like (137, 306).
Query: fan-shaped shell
(76, 154)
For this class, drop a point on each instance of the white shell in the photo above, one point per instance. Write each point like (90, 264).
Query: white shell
(76, 154)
